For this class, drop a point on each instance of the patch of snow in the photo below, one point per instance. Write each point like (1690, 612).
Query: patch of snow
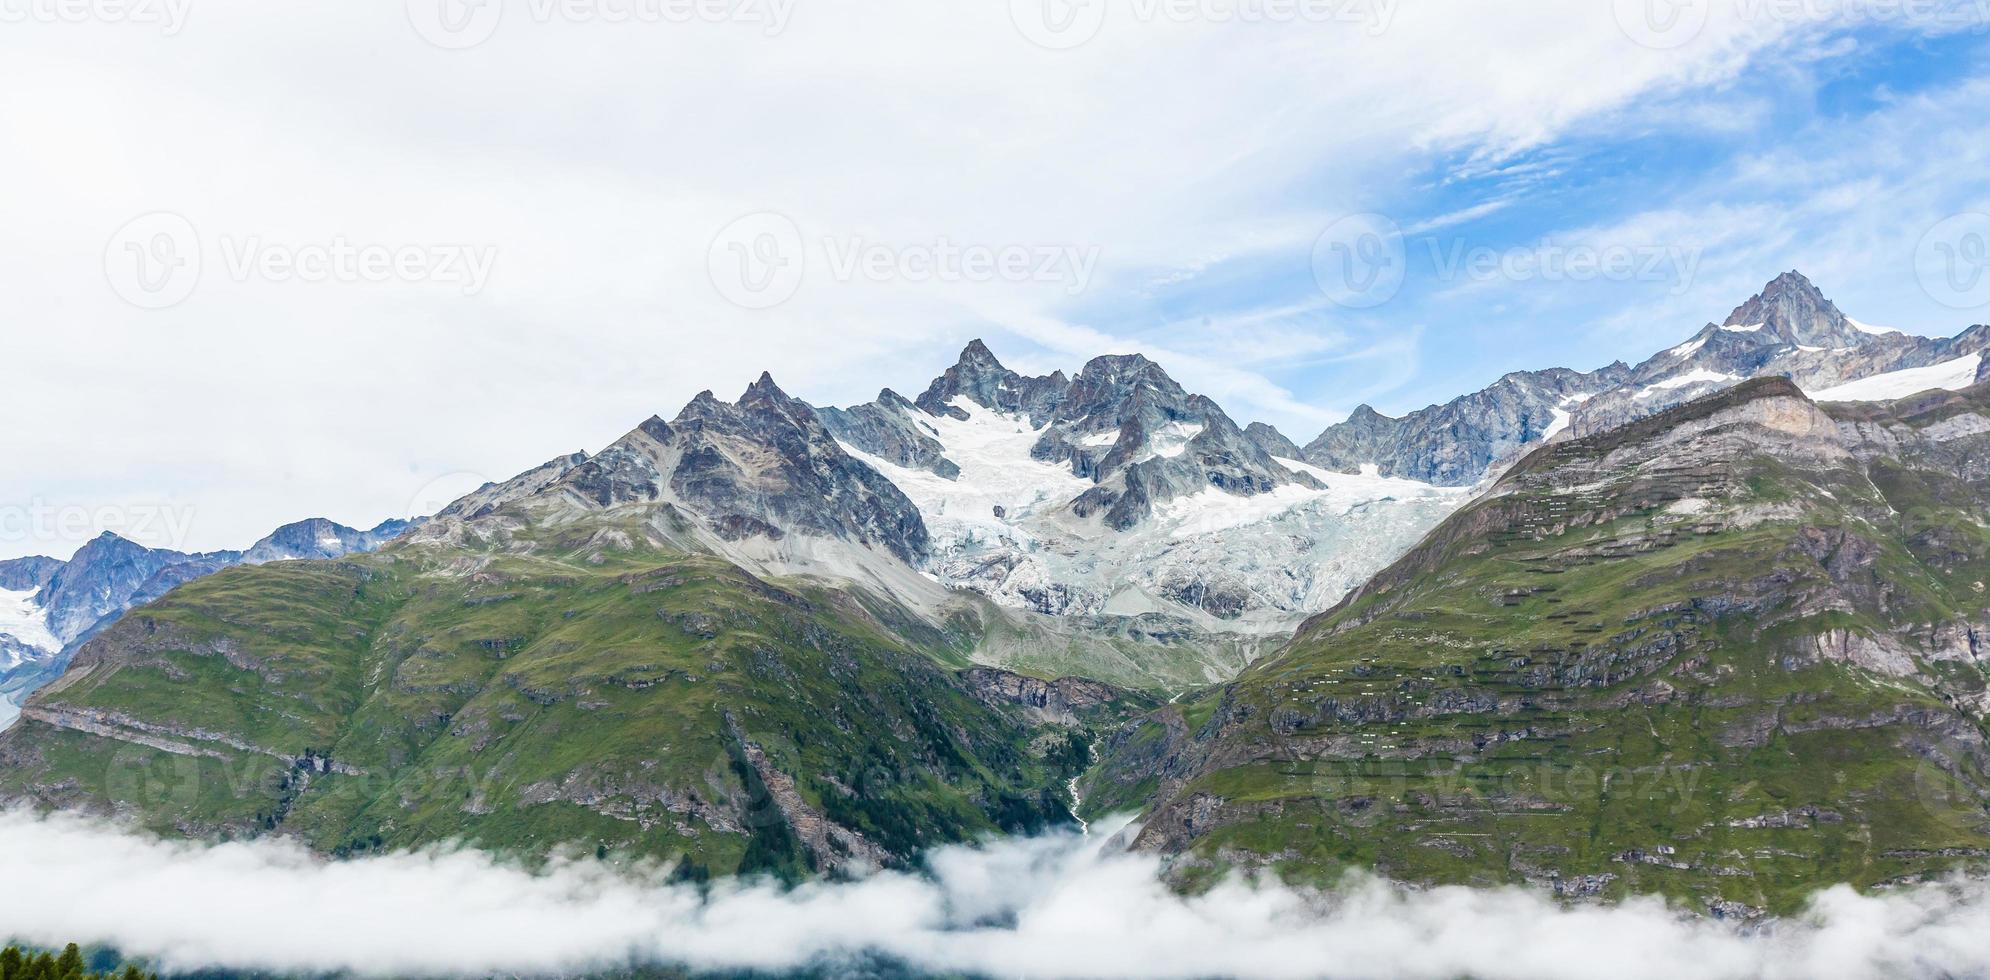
(21, 619)
(1869, 328)
(1746, 328)
(1688, 349)
(1562, 414)
(1807, 347)
(1695, 376)
(1213, 510)
(1267, 560)
(1100, 439)
(1172, 440)
(992, 450)
(1950, 375)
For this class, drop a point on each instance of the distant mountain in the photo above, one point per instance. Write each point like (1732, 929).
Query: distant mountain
(318, 538)
(49, 607)
(27, 574)
(1454, 444)
(1788, 330)
(100, 579)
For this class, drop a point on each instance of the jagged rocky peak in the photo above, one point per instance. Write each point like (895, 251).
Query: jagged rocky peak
(101, 578)
(1268, 438)
(1792, 310)
(980, 378)
(764, 466)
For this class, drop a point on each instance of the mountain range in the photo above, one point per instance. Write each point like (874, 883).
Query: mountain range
(48, 607)
(1706, 625)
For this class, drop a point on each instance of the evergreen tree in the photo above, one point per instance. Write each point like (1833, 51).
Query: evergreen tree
(70, 965)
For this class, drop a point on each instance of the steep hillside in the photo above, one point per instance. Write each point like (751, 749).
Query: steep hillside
(1727, 653)
(622, 698)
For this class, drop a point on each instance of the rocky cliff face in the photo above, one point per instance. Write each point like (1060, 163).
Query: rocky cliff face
(762, 468)
(1454, 444)
(1721, 653)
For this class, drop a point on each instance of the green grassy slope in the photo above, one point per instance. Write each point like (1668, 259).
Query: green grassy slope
(646, 702)
(1730, 669)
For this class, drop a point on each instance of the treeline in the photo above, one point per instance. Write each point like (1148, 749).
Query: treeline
(20, 964)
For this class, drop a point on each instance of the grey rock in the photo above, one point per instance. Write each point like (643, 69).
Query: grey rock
(765, 465)
(27, 574)
(1455, 443)
(1272, 441)
(982, 379)
(492, 496)
(890, 430)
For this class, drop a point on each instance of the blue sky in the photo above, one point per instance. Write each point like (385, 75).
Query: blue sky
(1832, 156)
(1170, 176)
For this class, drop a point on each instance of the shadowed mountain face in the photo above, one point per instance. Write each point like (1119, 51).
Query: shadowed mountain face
(762, 467)
(1722, 653)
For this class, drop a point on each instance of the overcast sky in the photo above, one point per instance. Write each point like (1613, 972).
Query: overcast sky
(270, 261)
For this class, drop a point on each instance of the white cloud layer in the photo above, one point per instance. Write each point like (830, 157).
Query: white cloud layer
(1059, 906)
